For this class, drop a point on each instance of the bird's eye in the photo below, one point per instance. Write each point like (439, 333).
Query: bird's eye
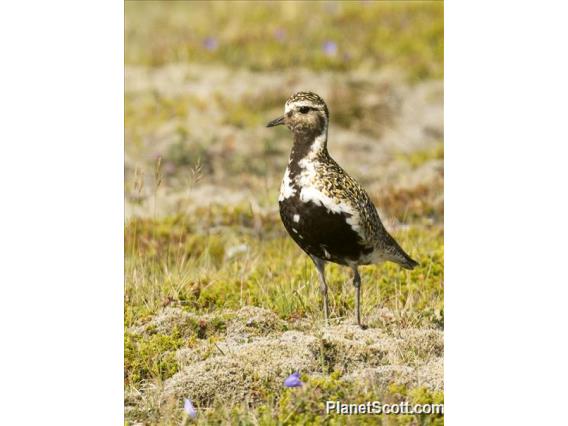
(304, 109)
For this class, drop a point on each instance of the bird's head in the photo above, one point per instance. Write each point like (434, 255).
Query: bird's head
(305, 113)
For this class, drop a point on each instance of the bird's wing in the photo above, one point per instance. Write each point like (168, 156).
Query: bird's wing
(345, 195)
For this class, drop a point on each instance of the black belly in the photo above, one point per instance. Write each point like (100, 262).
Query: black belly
(320, 232)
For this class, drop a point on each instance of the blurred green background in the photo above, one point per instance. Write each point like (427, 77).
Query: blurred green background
(264, 36)
(202, 78)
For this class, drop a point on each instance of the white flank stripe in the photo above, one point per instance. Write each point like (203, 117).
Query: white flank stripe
(319, 143)
(312, 194)
(286, 189)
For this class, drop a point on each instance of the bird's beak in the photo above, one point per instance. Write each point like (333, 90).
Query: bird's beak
(276, 122)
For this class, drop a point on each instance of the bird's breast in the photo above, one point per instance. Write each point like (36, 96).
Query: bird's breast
(321, 226)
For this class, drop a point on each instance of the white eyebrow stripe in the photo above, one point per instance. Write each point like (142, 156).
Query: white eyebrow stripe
(299, 104)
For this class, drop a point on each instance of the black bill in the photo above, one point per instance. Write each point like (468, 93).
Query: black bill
(276, 122)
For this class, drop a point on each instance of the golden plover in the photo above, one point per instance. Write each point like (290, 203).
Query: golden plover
(325, 211)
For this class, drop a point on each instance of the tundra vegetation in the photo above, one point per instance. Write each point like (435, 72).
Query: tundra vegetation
(220, 306)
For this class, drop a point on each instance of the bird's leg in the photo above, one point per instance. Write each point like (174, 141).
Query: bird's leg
(357, 285)
(320, 267)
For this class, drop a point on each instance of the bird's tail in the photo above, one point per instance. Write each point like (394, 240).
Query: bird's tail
(407, 262)
(399, 256)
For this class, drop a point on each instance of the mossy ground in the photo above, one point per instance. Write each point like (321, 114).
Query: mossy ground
(191, 282)
(220, 305)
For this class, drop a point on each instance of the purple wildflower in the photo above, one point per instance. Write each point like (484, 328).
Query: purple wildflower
(330, 48)
(189, 408)
(210, 43)
(293, 381)
(280, 34)
(169, 168)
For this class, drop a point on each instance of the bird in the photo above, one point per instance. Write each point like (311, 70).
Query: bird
(325, 211)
